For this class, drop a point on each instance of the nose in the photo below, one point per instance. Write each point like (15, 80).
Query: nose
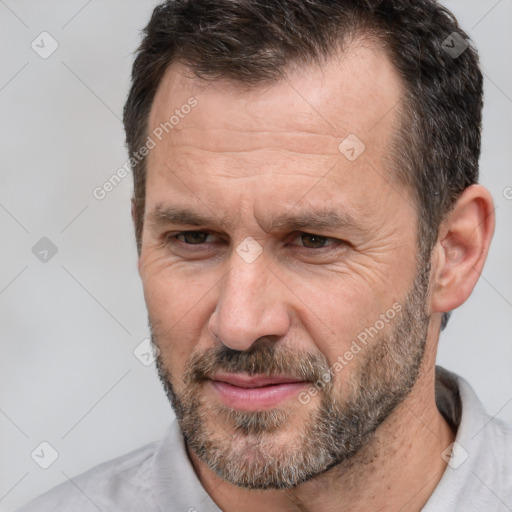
(251, 304)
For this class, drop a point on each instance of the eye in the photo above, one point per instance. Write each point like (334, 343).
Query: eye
(312, 241)
(189, 237)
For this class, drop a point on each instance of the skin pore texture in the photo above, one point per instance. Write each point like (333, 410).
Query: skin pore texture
(244, 159)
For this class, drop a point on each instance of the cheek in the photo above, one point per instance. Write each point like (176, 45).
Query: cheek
(179, 309)
(335, 311)
(166, 300)
(174, 292)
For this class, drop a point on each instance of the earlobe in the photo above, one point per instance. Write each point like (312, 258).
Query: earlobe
(462, 248)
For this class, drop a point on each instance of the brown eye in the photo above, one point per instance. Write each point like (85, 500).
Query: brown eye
(313, 241)
(193, 237)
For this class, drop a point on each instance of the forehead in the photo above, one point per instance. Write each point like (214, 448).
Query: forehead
(292, 128)
(351, 92)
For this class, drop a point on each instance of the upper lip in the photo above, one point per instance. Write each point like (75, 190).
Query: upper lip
(253, 381)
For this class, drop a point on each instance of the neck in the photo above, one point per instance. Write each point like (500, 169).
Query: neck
(397, 469)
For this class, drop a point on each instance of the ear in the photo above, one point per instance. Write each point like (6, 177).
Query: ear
(461, 249)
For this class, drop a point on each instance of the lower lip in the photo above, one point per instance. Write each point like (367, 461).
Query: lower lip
(254, 399)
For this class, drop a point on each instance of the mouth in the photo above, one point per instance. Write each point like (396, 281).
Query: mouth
(255, 392)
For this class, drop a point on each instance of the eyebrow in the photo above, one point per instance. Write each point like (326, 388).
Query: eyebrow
(176, 215)
(324, 220)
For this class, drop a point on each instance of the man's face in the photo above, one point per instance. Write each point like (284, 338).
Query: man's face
(287, 334)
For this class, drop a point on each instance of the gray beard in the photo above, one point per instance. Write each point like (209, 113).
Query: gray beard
(246, 448)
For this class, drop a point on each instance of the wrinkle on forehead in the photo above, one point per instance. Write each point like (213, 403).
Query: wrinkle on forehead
(224, 140)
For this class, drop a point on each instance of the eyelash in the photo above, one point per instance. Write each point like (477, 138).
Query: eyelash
(172, 238)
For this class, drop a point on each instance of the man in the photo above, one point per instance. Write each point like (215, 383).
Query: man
(307, 214)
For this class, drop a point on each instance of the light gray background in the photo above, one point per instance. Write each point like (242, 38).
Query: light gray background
(68, 374)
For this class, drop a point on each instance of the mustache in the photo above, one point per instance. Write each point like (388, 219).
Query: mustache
(262, 358)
